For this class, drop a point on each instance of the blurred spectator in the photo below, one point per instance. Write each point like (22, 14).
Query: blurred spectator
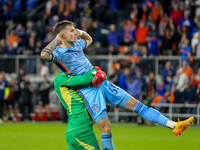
(182, 41)
(141, 33)
(86, 23)
(185, 21)
(21, 76)
(82, 4)
(97, 11)
(26, 95)
(11, 100)
(20, 79)
(155, 11)
(54, 20)
(151, 86)
(128, 32)
(153, 30)
(49, 5)
(113, 36)
(114, 76)
(13, 39)
(176, 13)
(113, 4)
(170, 83)
(185, 29)
(144, 53)
(38, 47)
(134, 13)
(150, 22)
(17, 5)
(30, 63)
(8, 15)
(182, 82)
(44, 70)
(20, 31)
(186, 51)
(86, 13)
(54, 10)
(133, 87)
(30, 4)
(95, 33)
(152, 45)
(31, 30)
(187, 70)
(161, 89)
(44, 89)
(112, 50)
(122, 79)
(145, 12)
(167, 43)
(135, 54)
(196, 79)
(164, 20)
(148, 3)
(2, 47)
(195, 40)
(189, 95)
(141, 79)
(168, 70)
(3, 86)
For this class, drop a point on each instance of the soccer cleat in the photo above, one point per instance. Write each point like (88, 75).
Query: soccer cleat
(182, 125)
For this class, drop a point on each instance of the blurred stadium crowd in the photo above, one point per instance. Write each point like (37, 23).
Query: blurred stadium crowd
(139, 29)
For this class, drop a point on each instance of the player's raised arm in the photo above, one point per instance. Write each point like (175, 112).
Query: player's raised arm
(84, 35)
(46, 53)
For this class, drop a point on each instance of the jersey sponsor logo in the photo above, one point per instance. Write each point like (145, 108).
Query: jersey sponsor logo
(96, 107)
(75, 55)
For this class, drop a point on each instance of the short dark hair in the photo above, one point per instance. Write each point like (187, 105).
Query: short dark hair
(61, 25)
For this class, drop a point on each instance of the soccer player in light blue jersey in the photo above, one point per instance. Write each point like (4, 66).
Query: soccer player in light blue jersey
(66, 51)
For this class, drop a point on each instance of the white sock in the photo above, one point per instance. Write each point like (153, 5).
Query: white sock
(171, 124)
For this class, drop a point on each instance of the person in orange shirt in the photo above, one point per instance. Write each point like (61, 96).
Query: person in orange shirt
(141, 33)
(196, 79)
(13, 39)
(187, 70)
(156, 10)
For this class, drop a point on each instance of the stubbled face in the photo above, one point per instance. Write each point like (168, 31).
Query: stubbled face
(70, 34)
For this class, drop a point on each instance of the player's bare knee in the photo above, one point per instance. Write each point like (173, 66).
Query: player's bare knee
(107, 128)
(104, 125)
(130, 105)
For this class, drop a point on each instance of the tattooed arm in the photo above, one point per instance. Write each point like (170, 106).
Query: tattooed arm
(46, 53)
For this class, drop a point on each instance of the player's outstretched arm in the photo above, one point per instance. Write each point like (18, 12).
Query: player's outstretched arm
(46, 53)
(93, 77)
(85, 36)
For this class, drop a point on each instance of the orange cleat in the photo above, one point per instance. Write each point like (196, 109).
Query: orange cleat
(182, 125)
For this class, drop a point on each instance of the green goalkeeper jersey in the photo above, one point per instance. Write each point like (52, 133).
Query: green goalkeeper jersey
(73, 103)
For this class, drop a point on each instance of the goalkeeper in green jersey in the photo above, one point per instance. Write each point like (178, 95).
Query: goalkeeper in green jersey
(79, 135)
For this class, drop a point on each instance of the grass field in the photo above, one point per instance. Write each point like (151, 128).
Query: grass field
(51, 136)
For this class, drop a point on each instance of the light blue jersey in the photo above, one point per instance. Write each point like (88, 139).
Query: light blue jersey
(72, 60)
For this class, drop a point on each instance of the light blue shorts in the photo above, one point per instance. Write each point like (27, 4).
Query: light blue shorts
(95, 98)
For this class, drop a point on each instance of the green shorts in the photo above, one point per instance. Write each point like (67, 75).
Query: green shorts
(82, 139)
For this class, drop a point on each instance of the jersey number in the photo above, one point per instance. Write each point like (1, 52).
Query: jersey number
(113, 89)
